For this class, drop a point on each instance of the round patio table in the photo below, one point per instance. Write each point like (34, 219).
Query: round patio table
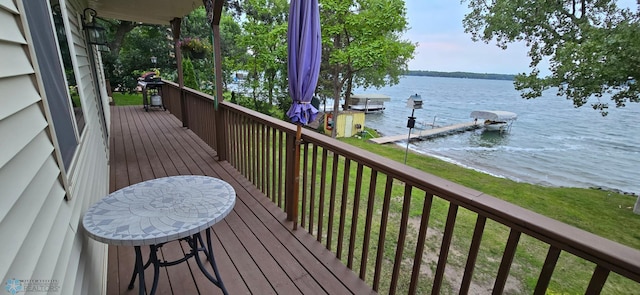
(154, 212)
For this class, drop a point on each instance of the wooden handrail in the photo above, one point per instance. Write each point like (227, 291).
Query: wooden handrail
(260, 147)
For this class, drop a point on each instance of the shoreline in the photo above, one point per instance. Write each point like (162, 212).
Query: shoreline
(402, 146)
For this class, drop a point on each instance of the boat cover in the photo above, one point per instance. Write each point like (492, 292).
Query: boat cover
(371, 96)
(494, 115)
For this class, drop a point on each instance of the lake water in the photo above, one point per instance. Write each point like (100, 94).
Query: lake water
(552, 143)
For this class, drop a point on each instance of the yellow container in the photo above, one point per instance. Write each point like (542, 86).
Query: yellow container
(348, 123)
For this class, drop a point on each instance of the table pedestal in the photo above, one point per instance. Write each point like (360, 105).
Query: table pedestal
(196, 243)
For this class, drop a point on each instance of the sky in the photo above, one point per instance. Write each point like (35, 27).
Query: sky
(436, 25)
(442, 44)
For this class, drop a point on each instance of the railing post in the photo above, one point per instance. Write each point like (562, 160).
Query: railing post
(183, 107)
(175, 28)
(221, 134)
(289, 176)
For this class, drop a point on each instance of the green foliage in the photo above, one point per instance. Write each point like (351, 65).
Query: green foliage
(139, 45)
(260, 106)
(195, 27)
(190, 79)
(234, 54)
(592, 46)
(362, 45)
(265, 37)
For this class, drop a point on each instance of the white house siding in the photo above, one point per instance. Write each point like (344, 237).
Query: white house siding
(41, 231)
(103, 90)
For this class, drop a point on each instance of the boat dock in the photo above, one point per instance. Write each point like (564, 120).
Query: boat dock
(440, 131)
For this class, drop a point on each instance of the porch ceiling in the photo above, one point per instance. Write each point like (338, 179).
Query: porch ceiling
(159, 12)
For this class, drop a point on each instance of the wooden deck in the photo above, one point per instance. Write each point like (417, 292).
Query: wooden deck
(440, 131)
(255, 248)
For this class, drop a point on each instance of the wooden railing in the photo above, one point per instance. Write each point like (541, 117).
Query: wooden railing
(403, 230)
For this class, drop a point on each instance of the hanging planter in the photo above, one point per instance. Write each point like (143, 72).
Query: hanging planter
(194, 48)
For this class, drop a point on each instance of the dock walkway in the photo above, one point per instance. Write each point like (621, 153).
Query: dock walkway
(440, 131)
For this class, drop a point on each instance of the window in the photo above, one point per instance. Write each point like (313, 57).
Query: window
(66, 112)
(63, 45)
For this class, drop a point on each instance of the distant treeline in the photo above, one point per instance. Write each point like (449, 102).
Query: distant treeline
(461, 75)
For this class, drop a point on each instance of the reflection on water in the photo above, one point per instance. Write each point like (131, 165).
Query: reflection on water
(488, 139)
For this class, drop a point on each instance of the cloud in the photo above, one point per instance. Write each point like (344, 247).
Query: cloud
(436, 26)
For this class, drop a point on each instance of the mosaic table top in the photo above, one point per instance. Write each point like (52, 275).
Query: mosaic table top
(159, 210)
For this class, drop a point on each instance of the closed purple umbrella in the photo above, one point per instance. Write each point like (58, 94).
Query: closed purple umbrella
(304, 47)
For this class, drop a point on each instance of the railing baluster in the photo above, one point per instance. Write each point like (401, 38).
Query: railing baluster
(274, 161)
(332, 199)
(252, 153)
(507, 260)
(323, 180)
(422, 236)
(355, 216)
(248, 162)
(547, 270)
(247, 139)
(444, 248)
(231, 142)
(281, 160)
(305, 167)
(598, 279)
(236, 134)
(240, 135)
(343, 206)
(312, 198)
(367, 225)
(256, 154)
(473, 254)
(383, 232)
(406, 206)
(265, 151)
(245, 148)
(290, 198)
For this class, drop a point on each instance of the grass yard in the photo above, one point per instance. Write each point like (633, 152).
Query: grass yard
(127, 99)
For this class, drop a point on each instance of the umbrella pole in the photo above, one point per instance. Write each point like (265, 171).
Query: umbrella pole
(296, 173)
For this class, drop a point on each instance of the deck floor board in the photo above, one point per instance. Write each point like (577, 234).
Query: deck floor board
(255, 248)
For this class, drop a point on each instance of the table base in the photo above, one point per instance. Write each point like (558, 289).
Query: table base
(194, 242)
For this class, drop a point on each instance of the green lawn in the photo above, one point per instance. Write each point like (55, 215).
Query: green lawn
(127, 99)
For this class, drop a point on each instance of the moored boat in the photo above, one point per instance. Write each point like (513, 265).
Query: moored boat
(495, 120)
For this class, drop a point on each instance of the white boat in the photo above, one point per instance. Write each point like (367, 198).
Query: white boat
(368, 103)
(495, 120)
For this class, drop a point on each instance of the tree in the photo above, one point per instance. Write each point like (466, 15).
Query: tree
(235, 55)
(593, 46)
(116, 33)
(362, 45)
(190, 79)
(134, 58)
(264, 36)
